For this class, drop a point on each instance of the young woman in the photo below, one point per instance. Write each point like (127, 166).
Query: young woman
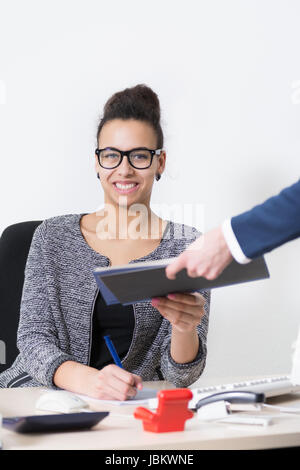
(63, 317)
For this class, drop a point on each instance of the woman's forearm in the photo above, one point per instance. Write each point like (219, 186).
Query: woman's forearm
(110, 383)
(73, 376)
(184, 345)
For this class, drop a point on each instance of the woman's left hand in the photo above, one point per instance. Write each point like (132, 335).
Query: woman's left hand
(183, 310)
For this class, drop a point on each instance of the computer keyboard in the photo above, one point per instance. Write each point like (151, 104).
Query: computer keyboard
(270, 386)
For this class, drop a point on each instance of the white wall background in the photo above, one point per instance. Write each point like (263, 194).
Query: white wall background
(228, 77)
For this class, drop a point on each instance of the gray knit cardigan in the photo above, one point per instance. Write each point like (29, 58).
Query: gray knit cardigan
(57, 305)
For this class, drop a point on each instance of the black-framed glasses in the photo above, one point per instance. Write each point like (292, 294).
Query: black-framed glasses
(140, 158)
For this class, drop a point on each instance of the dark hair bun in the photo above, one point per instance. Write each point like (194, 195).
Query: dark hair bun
(138, 102)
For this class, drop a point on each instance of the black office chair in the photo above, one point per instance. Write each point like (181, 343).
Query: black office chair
(14, 247)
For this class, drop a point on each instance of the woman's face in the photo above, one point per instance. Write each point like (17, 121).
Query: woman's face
(126, 135)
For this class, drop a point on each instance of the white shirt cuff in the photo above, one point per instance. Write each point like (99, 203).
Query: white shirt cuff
(233, 244)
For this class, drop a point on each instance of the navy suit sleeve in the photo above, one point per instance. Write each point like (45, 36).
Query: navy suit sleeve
(270, 224)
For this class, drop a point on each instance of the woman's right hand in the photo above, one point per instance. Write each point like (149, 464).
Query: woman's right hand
(110, 383)
(113, 383)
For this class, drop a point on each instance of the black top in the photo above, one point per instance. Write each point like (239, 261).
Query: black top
(117, 321)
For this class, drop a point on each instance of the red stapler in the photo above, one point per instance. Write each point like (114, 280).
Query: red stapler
(171, 413)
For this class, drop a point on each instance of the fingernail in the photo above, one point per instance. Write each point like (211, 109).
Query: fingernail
(171, 296)
(171, 276)
(155, 301)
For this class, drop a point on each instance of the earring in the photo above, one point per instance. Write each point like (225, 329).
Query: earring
(98, 176)
(158, 176)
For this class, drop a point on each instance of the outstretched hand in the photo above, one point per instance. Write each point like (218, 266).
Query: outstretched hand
(207, 256)
(183, 310)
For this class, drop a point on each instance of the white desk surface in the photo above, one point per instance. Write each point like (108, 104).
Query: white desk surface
(120, 430)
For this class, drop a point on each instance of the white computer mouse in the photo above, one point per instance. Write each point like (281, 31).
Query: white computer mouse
(60, 401)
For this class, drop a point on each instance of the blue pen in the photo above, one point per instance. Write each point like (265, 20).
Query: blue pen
(113, 351)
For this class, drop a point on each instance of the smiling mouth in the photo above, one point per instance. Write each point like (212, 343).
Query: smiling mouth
(126, 188)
